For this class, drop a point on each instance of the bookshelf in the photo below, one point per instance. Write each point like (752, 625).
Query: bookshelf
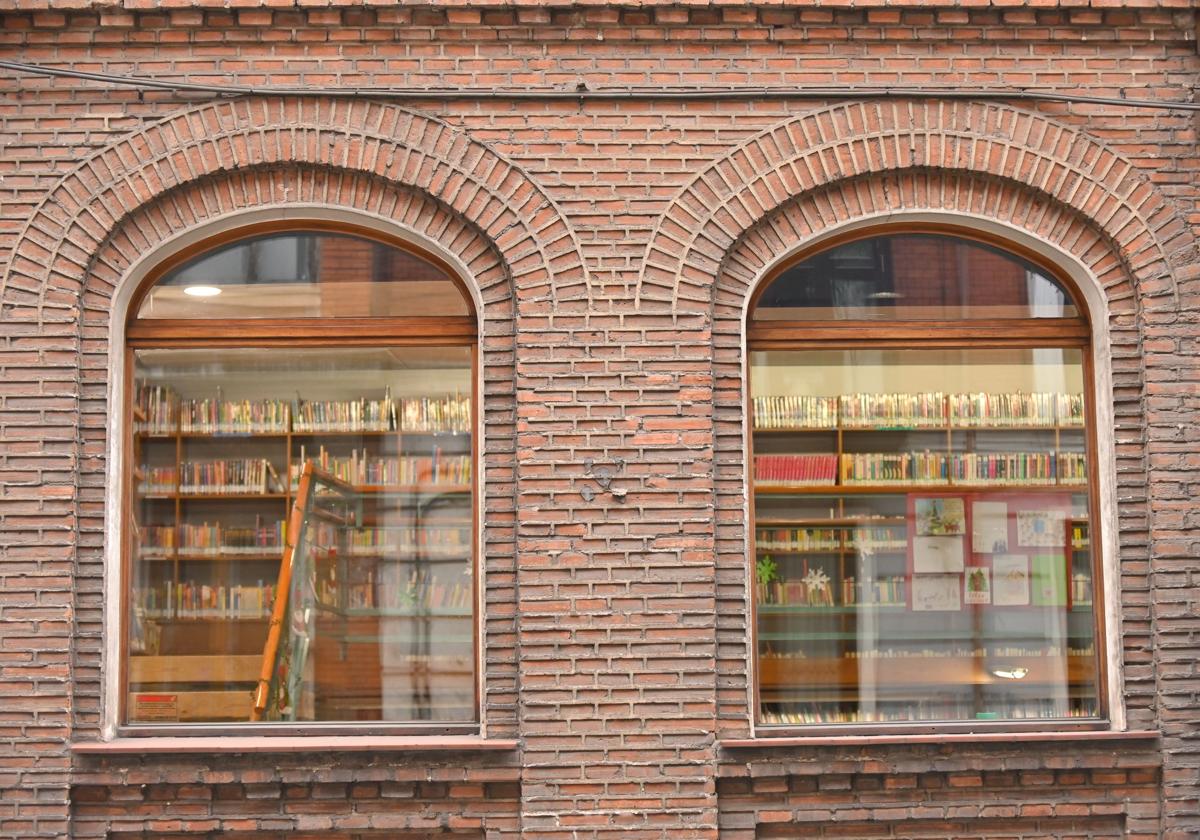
(889, 532)
(214, 480)
(927, 439)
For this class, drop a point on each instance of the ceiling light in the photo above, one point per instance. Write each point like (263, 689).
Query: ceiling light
(1011, 673)
(202, 291)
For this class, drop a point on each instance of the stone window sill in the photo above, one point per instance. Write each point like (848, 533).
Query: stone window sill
(963, 738)
(293, 744)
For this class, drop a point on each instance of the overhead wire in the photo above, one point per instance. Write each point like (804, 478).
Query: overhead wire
(584, 92)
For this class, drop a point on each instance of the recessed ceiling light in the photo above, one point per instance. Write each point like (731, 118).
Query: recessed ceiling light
(202, 291)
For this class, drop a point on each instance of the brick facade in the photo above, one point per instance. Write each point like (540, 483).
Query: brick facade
(612, 246)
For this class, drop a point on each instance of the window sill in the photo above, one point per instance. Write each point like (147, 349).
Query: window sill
(964, 738)
(283, 744)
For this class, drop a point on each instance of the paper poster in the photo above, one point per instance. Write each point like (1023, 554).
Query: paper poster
(1040, 528)
(940, 517)
(977, 585)
(936, 593)
(1010, 580)
(1049, 580)
(989, 527)
(937, 554)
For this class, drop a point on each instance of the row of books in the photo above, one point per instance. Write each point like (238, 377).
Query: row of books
(190, 599)
(158, 406)
(209, 416)
(1043, 652)
(1081, 589)
(1019, 409)
(864, 540)
(359, 468)
(920, 410)
(1049, 651)
(1018, 467)
(1079, 536)
(895, 467)
(882, 592)
(872, 539)
(417, 592)
(361, 415)
(162, 411)
(428, 540)
(795, 470)
(805, 592)
(798, 539)
(795, 411)
(964, 468)
(918, 710)
(158, 480)
(229, 475)
(212, 538)
(809, 591)
(436, 414)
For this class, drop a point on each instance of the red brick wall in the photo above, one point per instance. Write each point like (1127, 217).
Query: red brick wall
(614, 243)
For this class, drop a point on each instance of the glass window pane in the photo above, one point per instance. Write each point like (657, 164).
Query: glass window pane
(921, 541)
(913, 276)
(220, 439)
(305, 275)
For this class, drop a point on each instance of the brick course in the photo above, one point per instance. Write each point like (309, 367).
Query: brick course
(613, 245)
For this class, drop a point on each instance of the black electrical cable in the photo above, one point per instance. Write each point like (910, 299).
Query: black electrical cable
(608, 94)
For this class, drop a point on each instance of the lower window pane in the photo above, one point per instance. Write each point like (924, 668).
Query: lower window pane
(381, 625)
(922, 554)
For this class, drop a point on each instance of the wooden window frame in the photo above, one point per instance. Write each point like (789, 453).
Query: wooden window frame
(966, 334)
(298, 333)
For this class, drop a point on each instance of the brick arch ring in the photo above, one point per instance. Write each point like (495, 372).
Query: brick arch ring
(1056, 163)
(53, 252)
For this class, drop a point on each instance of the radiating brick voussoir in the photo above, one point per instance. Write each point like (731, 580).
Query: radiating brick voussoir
(410, 149)
(849, 141)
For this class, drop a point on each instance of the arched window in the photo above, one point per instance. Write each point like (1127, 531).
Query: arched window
(249, 358)
(923, 477)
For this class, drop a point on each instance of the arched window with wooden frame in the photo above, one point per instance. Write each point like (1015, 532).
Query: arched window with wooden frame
(251, 355)
(923, 477)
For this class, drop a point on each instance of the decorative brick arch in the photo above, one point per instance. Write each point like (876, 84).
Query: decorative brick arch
(53, 252)
(1058, 165)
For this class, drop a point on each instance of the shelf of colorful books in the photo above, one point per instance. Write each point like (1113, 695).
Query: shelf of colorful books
(227, 435)
(210, 619)
(365, 434)
(935, 708)
(927, 410)
(899, 488)
(831, 521)
(159, 409)
(1078, 627)
(230, 495)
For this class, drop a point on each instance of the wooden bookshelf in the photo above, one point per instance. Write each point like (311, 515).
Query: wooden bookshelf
(206, 660)
(808, 628)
